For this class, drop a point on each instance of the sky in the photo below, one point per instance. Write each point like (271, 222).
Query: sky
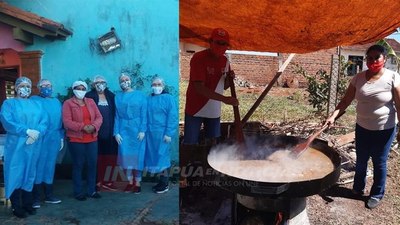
(395, 35)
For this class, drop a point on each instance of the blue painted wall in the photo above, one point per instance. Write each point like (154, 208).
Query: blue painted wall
(148, 30)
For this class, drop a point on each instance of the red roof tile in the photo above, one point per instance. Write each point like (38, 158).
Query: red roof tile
(56, 29)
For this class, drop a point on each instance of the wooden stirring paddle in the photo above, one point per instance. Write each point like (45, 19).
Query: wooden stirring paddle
(238, 124)
(303, 146)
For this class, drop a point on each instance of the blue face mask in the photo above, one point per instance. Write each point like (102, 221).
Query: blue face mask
(46, 91)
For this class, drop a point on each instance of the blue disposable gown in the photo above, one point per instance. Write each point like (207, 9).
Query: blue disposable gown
(162, 119)
(20, 160)
(51, 140)
(130, 119)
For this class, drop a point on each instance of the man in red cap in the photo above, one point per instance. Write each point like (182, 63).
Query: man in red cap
(209, 70)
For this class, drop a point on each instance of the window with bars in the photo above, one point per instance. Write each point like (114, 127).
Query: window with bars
(356, 65)
(10, 92)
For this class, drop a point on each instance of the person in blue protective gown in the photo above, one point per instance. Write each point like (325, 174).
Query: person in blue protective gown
(162, 120)
(25, 124)
(129, 131)
(53, 142)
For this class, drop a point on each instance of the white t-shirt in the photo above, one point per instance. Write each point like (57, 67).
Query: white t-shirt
(375, 103)
(212, 109)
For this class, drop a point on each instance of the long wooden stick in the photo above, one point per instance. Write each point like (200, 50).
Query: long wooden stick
(267, 89)
(238, 126)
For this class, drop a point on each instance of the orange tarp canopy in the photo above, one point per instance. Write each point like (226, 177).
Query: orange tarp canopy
(291, 26)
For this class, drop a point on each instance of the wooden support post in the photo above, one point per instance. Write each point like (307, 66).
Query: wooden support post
(267, 89)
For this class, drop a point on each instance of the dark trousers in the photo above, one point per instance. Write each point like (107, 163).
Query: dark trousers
(164, 177)
(84, 154)
(106, 159)
(48, 191)
(375, 144)
(21, 199)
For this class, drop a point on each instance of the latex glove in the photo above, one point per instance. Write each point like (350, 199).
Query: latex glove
(62, 144)
(30, 141)
(167, 139)
(118, 138)
(140, 136)
(34, 134)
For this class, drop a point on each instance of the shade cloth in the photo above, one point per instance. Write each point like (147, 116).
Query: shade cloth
(289, 26)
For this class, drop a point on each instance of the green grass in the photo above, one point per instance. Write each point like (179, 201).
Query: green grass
(274, 109)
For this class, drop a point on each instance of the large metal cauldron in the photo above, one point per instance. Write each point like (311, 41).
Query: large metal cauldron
(282, 189)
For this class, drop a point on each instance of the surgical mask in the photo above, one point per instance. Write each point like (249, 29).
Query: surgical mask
(24, 91)
(157, 90)
(376, 66)
(46, 91)
(79, 94)
(125, 84)
(100, 87)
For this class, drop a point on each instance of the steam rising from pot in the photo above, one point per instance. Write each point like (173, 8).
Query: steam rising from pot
(268, 160)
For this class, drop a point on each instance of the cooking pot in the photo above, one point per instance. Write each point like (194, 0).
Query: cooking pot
(279, 189)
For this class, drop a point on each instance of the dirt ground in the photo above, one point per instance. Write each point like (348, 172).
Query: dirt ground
(338, 206)
(335, 206)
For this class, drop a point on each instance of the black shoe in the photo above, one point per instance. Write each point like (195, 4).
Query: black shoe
(19, 212)
(52, 200)
(157, 186)
(95, 195)
(80, 198)
(162, 189)
(36, 205)
(373, 202)
(137, 190)
(30, 210)
(357, 193)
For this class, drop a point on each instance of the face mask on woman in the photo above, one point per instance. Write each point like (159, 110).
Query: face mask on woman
(79, 94)
(100, 87)
(46, 91)
(157, 90)
(24, 92)
(376, 66)
(125, 84)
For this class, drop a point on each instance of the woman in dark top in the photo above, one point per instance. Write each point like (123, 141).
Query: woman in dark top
(107, 146)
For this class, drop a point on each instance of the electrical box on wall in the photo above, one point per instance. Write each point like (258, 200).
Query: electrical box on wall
(109, 41)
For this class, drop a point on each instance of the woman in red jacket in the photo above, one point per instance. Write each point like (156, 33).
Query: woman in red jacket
(82, 120)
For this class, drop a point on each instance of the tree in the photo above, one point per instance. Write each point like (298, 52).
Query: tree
(318, 85)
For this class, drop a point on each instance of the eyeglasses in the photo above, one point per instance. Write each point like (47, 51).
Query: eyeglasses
(100, 82)
(156, 84)
(123, 79)
(24, 85)
(45, 85)
(373, 58)
(221, 43)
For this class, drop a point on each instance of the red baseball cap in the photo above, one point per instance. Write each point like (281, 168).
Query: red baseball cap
(219, 34)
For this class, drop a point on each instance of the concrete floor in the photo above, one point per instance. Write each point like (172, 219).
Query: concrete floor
(146, 208)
